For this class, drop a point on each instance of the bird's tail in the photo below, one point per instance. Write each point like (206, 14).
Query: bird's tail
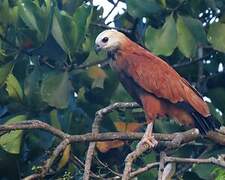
(205, 124)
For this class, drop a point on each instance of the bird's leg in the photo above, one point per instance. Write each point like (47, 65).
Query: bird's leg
(148, 138)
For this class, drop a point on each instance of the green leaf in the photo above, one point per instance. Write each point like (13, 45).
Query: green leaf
(11, 142)
(190, 34)
(56, 88)
(216, 36)
(5, 70)
(82, 17)
(54, 119)
(35, 17)
(145, 8)
(32, 89)
(65, 31)
(162, 2)
(162, 41)
(13, 88)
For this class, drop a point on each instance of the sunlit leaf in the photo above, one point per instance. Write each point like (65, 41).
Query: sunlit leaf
(5, 70)
(11, 142)
(13, 88)
(56, 88)
(65, 157)
(98, 75)
(216, 36)
(162, 41)
(127, 127)
(54, 119)
(105, 146)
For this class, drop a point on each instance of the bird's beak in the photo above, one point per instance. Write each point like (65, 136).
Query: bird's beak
(97, 48)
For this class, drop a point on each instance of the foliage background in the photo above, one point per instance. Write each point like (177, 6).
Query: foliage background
(44, 49)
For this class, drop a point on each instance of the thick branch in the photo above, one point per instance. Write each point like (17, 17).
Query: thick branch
(167, 140)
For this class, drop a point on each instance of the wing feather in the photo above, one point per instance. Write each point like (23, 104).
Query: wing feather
(156, 77)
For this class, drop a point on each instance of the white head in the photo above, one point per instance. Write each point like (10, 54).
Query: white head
(109, 40)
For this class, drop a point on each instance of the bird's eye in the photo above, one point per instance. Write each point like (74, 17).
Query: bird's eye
(105, 39)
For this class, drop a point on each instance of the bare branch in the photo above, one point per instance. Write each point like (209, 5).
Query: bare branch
(161, 165)
(212, 160)
(95, 129)
(144, 169)
(130, 159)
(168, 141)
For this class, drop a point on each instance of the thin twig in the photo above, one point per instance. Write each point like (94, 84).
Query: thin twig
(84, 66)
(144, 169)
(126, 31)
(212, 160)
(114, 6)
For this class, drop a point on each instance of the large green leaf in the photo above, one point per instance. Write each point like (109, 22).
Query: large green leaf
(13, 88)
(162, 41)
(216, 36)
(56, 88)
(35, 17)
(8, 15)
(5, 70)
(190, 35)
(65, 31)
(82, 17)
(32, 89)
(11, 142)
(140, 9)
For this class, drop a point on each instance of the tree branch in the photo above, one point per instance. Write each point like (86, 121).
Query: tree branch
(167, 141)
(212, 160)
(95, 129)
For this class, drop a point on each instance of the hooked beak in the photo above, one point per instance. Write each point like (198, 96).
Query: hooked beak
(97, 48)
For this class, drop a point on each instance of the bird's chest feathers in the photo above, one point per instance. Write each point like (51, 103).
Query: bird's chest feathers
(116, 62)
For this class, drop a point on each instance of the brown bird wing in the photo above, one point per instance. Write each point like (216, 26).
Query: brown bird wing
(157, 77)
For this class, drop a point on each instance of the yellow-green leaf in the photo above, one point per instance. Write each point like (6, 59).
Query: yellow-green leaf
(98, 75)
(65, 157)
(11, 142)
(5, 70)
(216, 36)
(13, 88)
(54, 119)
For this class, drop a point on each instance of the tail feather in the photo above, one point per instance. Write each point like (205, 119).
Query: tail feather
(204, 124)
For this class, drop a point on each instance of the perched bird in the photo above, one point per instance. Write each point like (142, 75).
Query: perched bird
(155, 85)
